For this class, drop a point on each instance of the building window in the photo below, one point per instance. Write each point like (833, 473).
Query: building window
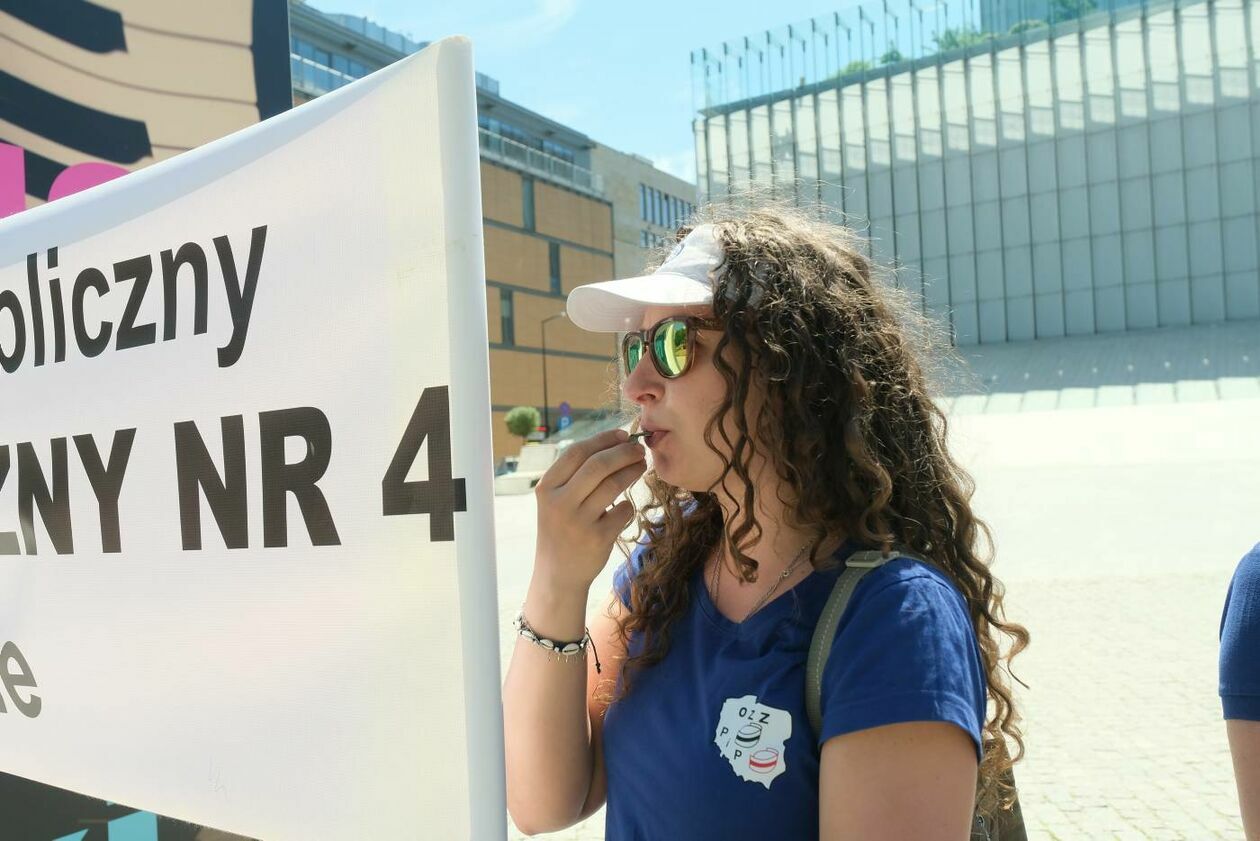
(560, 151)
(527, 202)
(554, 249)
(505, 317)
(659, 208)
(649, 239)
(525, 138)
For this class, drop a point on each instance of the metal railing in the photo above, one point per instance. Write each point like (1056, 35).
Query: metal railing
(505, 150)
(314, 78)
(374, 31)
(874, 37)
(488, 83)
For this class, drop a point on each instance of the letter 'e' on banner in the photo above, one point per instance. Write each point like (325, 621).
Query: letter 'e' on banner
(246, 537)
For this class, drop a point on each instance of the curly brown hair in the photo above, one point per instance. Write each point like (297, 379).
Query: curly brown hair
(847, 422)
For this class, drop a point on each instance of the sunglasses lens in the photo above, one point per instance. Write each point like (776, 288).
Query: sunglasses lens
(670, 347)
(632, 352)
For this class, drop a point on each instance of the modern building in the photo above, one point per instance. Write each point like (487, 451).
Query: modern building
(559, 209)
(1001, 16)
(657, 200)
(1090, 175)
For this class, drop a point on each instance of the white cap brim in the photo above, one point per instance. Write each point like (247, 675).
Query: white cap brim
(618, 305)
(683, 280)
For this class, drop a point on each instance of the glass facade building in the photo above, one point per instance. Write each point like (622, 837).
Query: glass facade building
(1090, 171)
(329, 51)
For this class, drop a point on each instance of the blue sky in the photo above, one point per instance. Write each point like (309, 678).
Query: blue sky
(616, 71)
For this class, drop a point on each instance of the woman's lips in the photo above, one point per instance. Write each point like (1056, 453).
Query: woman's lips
(654, 439)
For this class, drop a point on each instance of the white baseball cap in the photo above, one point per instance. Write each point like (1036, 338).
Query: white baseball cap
(683, 280)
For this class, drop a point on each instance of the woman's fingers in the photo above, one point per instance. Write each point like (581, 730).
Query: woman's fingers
(616, 519)
(599, 467)
(612, 487)
(575, 532)
(562, 470)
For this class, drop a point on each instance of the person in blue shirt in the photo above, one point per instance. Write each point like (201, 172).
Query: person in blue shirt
(1240, 685)
(783, 398)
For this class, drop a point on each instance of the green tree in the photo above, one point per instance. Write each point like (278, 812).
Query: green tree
(522, 420)
(1071, 9)
(892, 56)
(953, 39)
(855, 66)
(1025, 26)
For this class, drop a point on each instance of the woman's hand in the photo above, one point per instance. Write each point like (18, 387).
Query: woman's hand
(576, 528)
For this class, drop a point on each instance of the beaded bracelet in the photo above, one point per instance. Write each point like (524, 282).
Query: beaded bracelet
(560, 649)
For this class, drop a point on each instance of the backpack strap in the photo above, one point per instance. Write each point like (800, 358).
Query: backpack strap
(1007, 826)
(856, 566)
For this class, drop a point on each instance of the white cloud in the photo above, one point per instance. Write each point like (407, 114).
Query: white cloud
(511, 36)
(551, 15)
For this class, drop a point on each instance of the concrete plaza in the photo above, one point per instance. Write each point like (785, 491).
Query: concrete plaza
(1119, 507)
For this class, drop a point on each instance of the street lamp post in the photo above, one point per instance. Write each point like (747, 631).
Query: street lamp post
(546, 403)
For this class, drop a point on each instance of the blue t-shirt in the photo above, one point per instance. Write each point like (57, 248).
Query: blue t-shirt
(1240, 641)
(714, 742)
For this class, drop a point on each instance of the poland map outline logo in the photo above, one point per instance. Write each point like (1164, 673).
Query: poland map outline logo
(751, 737)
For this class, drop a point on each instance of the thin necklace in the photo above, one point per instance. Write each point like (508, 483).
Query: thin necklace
(717, 580)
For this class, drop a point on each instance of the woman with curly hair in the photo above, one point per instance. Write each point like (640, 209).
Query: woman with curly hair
(789, 424)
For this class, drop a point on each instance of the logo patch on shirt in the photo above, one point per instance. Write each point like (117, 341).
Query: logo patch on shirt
(751, 737)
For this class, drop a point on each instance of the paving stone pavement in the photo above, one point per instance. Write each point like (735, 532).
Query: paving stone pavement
(1123, 727)
(1116, 532)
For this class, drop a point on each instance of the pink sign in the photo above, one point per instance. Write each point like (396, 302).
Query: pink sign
(73, 179)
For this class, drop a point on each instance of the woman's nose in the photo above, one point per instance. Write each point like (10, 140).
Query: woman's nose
(643, 384)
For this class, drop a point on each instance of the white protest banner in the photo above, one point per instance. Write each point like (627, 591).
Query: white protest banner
(246, 538)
